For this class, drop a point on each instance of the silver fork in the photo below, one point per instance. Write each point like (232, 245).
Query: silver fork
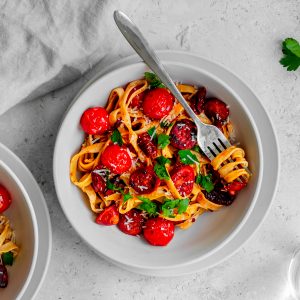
(210, 139)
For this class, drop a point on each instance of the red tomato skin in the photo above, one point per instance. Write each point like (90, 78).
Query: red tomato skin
(136, 100)
(109, 216)
(234, 187)
(116, 159)
(183, 177)
(5, 199)
(131, 222)
(94, 120)
(158, 103)
(158, 231)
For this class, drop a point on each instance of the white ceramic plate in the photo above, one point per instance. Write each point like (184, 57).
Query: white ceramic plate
(215, 249)
(42, 226)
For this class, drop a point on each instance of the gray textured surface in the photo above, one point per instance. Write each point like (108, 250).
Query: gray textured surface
(245, 36)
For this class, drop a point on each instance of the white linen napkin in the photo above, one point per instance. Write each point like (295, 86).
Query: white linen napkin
(47, 44)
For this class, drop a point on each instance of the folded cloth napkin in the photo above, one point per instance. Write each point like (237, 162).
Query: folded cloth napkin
(46, 44)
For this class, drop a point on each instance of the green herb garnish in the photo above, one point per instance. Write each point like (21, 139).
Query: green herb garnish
(8, 258)
(126, 197)
(169, 206)
(163, 140)
(116, 137)
(148, 206)
(187, 157)
(152, 133)
(153, 80)
(205, 182)
(291, 51)
(112, 186)
(160, 168)
(165, 124)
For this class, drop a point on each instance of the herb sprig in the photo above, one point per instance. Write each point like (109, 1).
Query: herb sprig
(291, 51)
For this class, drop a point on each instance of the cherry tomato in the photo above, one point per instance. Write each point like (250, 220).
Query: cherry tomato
(132, 222)
(94, 120)
(235, 187)
(216, 109)
(98, 179)
(109, 216)
(158, 231)
(136, 100)
(183, 134)
(183, 177)
(158, 103)
(144, 180)
(5, 199)
(116, 159)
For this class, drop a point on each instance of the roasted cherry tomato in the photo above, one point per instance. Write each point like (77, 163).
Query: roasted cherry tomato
(235, 187)
(116, 159)
(183, 177)
(147, 145)
(219, 197)
(99, 179)
(143, 180)
(198, 100)
(5, 199)
(94, 120)
(216, 110)
(132, 222)
(158, 231)
(158, 103)
(109, 216)
(136, 100)
(183, 134)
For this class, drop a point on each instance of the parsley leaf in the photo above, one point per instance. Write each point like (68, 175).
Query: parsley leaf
(153, 80)
(160, 168)
(112, 187)
(205, 182)
(152, 133)
(148, 206)
(169, 205)
(116, 137)
(291, 51)
(163, 140)
(187, 157)
(126, 197)
(165, 124)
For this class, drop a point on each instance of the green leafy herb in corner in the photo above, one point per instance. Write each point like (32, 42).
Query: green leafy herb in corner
(160, 168)
(205, 182)
(148, 206)
(153, 80)
(187, 157)
(169, 206)
(116, 137)
(163, 140)
(291, 51)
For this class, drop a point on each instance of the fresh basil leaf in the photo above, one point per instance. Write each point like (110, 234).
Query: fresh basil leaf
(153, 80)
(8, 258)
(205, 182)
(148, 206)
(163, 140)
(152, 133)
(187, 157)
(116, 137)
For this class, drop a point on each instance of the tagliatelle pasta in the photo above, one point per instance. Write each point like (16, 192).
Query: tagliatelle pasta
(157, 167)
(7, 237)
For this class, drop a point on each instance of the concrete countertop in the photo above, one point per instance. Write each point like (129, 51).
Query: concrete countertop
(244, 36)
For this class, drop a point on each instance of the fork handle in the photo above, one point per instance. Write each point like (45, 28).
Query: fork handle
(145, 51)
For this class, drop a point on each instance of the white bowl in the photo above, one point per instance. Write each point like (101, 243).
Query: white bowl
(23, 221)
(211, 231)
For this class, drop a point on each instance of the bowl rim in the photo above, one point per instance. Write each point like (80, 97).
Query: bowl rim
(257, 137)
(34, 224)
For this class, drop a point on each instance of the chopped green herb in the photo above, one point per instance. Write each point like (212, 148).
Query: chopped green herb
(126, 197)
(165, 124)
(163, 140)
(152, 133)
(291, 51)
(148, 206)
(153, 80)
(205, 182)
(116, 137)
(169, 206)
(160, 168)
(8, 258)
(162, 160)
(112, 187)
(187, 157)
